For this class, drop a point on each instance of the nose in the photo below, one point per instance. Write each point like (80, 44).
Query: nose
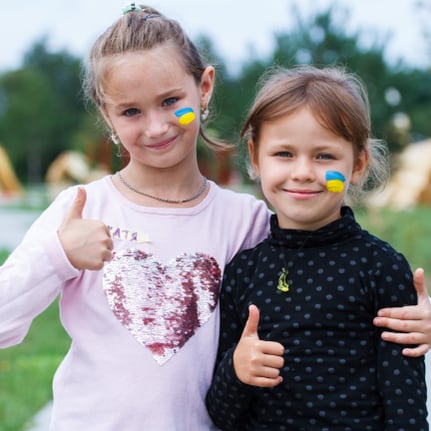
(155, 124)
(302, 170)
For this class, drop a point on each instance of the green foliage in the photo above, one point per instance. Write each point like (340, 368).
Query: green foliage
(27, 146)
(322, 39)
(3, 255)
(41, 110)
(409, 232)
(26, 370)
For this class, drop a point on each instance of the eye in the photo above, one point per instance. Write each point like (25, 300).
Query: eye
(283, 154)
(325, 156)
(131, 112)
(170, 101)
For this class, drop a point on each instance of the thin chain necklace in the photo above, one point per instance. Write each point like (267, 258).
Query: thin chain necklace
(168, 201)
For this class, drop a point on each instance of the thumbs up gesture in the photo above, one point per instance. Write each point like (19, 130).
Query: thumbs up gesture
(257, 362)
(87, 243)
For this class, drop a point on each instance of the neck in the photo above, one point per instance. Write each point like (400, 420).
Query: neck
(161, 190)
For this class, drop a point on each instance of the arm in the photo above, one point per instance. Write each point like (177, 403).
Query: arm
(32, 276)
(401, 379)
(227, 397)
(413, 322)
(37, 270)
(242, 360)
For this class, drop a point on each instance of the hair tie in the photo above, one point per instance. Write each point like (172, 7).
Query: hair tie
(131, 8)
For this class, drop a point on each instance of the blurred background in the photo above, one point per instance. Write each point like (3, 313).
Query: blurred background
(50, 138)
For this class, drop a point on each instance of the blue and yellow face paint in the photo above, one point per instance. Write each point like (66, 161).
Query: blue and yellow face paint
(334, 181)
(185, 116)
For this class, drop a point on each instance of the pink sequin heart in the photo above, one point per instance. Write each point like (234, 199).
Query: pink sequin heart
(161, 305)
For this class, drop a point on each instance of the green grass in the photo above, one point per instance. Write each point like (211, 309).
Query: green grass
(409, 232)
(26, 371)
(3, 255)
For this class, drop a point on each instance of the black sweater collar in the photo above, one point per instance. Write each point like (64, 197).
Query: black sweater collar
(336, 232)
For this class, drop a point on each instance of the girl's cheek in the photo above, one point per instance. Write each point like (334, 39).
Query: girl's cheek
(334, 181)
(185, 116)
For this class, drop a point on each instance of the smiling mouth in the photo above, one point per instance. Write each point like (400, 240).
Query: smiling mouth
(161, 145)
(302, 194)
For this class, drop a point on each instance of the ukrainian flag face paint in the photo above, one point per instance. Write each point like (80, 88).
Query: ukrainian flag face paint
(335, 181)
(185, 116)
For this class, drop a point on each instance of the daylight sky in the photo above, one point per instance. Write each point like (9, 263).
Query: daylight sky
(238, 28)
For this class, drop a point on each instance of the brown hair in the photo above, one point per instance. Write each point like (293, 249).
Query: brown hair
(138, 30)
(338, 99)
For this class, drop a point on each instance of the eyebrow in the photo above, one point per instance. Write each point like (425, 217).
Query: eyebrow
(165, 95)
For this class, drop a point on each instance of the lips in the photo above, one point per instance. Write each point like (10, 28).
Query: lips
(161, 145)
(302, 194)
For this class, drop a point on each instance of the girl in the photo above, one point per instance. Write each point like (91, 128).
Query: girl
(144, 329)
(298, 349)
(137, 257)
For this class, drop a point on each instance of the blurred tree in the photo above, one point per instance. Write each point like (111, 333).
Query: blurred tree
(396, 92)
(40, 109)
(28, 106)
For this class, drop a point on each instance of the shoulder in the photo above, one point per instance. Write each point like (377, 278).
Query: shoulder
(98, 194)
(380, 247)
(104, 183)
(381, 261)
(242, 207)
(246, 260)
(238, 198)
(93, 187)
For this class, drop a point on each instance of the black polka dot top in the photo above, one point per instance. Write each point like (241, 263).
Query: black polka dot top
(338, 374)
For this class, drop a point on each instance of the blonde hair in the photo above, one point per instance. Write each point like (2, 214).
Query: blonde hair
(340, 102)
(137, 31)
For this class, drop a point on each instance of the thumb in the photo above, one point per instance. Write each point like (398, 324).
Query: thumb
(419, 281)
(75, 211)
(250, 328)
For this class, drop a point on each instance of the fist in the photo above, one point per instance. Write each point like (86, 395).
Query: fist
(87, 243)
(257, 362)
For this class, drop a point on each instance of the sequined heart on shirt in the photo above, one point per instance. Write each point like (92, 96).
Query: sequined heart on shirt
(161, 305)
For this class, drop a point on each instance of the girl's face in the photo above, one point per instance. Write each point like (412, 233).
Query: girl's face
(293, 155)
(143, 93)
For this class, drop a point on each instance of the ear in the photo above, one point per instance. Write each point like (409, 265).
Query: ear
(105, 116)
(207, 84)
(360, 167)
(252, 152)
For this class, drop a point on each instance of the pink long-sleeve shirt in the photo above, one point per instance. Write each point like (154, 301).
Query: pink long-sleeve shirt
(144, 329)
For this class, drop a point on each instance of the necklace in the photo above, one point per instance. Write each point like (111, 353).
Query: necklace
(169, 201)
(283, 281)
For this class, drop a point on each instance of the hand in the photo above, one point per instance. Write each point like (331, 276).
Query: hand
(257, 362)
(87, 243)
(413, 321)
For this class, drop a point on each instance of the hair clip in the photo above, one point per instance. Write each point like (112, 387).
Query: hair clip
(151, 15)
(131, 8)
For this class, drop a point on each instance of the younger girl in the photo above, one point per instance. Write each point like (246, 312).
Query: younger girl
(138, 256)
(298, 349)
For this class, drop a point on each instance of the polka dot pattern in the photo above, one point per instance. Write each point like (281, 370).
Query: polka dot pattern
(338, 373)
